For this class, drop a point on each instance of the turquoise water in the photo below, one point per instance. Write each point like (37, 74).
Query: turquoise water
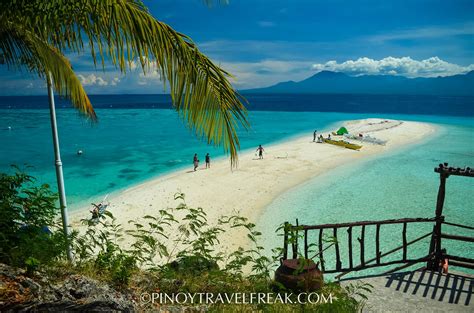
(127, 146)
(395, 185)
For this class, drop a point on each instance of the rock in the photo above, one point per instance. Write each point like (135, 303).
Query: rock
(76, 293)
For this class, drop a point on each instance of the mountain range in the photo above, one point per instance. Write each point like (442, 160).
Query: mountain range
(328, 82)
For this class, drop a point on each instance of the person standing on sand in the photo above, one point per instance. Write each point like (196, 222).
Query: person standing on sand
(260, 151)
(208, 161)
(195, 161)
(314, 135)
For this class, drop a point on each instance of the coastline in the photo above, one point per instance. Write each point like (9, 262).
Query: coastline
(85, 203)
(251, 187)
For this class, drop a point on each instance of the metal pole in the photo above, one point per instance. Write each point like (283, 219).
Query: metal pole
(59, 166)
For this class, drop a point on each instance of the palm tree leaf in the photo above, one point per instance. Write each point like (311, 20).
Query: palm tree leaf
(122, 31)
(21, 48)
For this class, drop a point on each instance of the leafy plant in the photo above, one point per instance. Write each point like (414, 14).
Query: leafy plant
(296, 234)
(32, 264)
(28, 226)
(174, 251)
(99, 248)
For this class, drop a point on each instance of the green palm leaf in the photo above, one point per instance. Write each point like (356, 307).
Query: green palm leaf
(120, 32)
(21, 47)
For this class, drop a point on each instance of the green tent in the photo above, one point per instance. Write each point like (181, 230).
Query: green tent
(342, 131)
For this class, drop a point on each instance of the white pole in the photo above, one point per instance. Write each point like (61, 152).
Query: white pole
(59, 165)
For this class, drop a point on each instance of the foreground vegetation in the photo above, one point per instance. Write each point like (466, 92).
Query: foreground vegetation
(173, 251)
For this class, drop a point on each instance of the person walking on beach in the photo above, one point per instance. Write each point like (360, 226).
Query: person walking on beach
(260, 151)
(208, 161)
(314, 135)
(195, 161)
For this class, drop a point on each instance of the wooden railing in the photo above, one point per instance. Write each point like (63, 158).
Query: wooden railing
(454, 259)
(292, 238)
(434, 258)
(436, 247)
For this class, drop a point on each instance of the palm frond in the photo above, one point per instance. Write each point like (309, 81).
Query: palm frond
(21, 48)
(121, 31)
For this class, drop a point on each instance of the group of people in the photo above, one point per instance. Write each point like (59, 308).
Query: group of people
(260, 151)
(320, 137)
(196, 161)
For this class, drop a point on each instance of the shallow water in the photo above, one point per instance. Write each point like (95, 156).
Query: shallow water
(129, 146)
(396, 185)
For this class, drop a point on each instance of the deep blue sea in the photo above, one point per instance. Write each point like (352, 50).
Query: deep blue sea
(140, 137)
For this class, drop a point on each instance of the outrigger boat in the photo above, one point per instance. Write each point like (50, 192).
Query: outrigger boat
(343, 143)
(366, 138)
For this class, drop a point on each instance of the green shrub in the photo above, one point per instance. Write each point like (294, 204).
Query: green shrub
(28, 229)
(167, 254)
(32, 265)
(193, 265)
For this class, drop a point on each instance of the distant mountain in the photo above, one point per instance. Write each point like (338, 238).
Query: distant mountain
(339, 83)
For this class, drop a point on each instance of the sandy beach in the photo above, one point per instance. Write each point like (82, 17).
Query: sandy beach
(255, 183)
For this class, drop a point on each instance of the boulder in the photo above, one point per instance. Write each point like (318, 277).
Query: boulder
(76, 293)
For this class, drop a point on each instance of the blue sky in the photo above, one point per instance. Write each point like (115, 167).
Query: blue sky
(264, 42)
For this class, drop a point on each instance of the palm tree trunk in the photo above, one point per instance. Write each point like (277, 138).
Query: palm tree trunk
(59, 167)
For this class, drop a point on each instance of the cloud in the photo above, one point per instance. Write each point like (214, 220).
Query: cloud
(247, 73)
(267, 72)
(266, 24)
(137, 64)
(425, 33)
(257, 50)
(135, 80)
(95, 80)
(404, 66)
(151, 74)
(92, 79)
(115, 81)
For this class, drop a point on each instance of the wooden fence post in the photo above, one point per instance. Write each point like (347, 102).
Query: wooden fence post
(349, 239)
(436, 239)
(320, 245)
(285, 241)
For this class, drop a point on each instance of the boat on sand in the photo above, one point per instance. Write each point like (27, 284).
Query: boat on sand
(343, 143)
